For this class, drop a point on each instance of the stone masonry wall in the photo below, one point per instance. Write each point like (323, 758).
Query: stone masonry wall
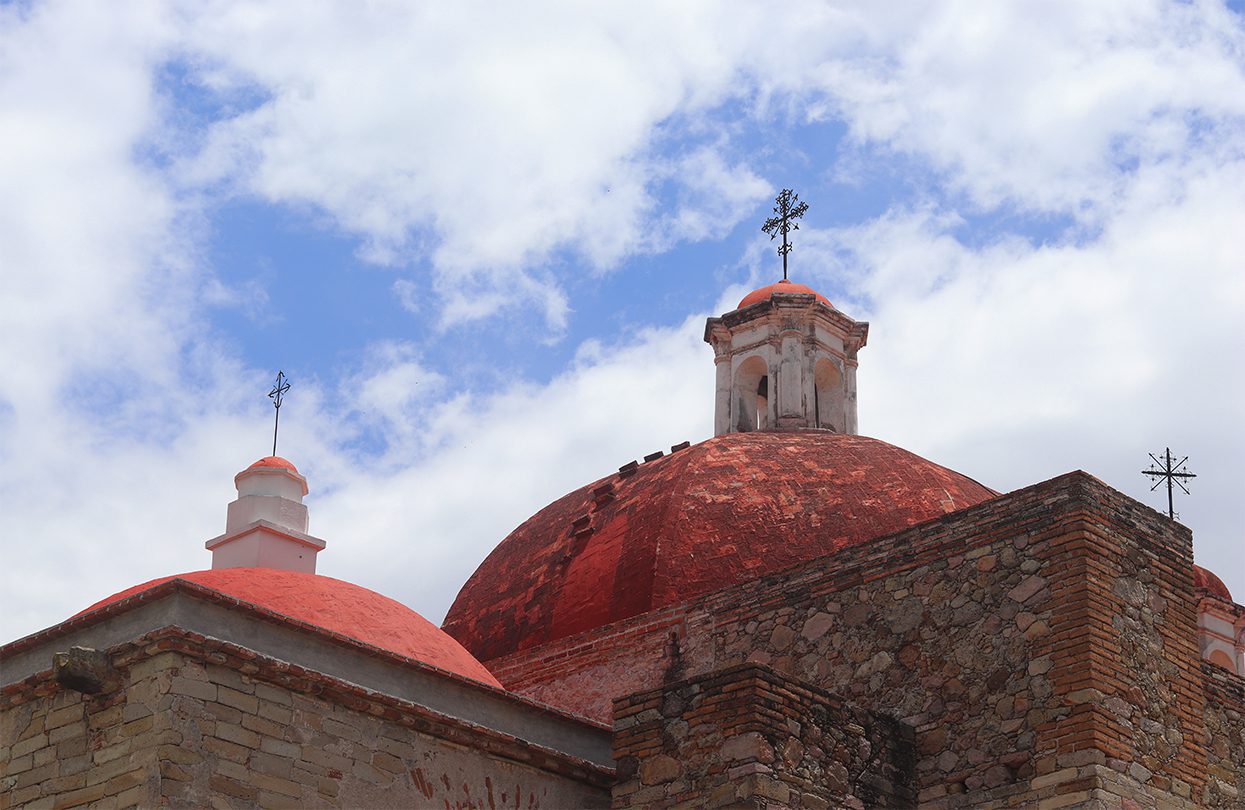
(1042, 644)
(1225, 738)
(200, 723)
(60, 748)
(748, 737)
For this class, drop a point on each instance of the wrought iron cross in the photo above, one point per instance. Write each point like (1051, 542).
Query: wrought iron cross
(788, 207)
(277, 392)
(1164, 470)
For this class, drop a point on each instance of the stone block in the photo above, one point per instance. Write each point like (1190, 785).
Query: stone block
(69, 714)
(276, 784)
(273, 694)
(28, 745)
(280, 748)
(82, 796)
(226, 750)
(271, 764)
(202, 690)
(232, 787)
(154, 665)
(238, 700)
(274, 711)
(237, 734)
(659, 769)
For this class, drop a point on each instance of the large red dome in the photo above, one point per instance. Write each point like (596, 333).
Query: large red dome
(336, 606)
(724, 511)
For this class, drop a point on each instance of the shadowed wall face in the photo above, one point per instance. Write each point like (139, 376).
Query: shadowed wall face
(746, 736)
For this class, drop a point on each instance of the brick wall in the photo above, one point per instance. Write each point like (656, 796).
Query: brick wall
(748, 737)
(197, 721)
(584, 673)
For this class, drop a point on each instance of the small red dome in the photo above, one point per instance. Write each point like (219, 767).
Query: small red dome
(786, 288)
(336, 606)
(274, 461)
(725, 511)
(1207, 581)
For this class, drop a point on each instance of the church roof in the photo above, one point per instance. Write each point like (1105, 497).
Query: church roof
(1207, 581)
(724, 511)
(335, 606)
(786, 288)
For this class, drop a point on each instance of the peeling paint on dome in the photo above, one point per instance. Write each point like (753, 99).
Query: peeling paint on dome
(723, 511)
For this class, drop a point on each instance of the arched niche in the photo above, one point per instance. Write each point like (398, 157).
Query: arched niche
(751, 395)
(1222, 659)
(828, 406)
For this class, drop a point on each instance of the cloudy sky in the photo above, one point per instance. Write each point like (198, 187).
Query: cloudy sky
(482, 240)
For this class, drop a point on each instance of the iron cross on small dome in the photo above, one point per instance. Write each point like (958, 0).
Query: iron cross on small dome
(276, 395)
(788, 208)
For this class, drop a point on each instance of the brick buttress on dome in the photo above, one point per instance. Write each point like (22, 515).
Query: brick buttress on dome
(724, 511)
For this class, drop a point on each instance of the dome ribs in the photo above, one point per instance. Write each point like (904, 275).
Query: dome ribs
(704, 517)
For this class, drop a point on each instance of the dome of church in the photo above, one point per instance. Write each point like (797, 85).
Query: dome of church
(336, 606)
(786, 288)
(1207, 581)
(727, 510)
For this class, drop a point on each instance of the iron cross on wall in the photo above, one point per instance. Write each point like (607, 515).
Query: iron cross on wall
(1164, 470)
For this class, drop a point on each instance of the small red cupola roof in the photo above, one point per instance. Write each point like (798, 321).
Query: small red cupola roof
(337, 607)
(784, 287)
(725, 511)
(274, 461)
(1207, 581)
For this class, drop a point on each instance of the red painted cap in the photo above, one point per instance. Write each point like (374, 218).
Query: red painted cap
(786, 288)
(336, 606)
(274, 461)
(722, 512)
(1207, 581)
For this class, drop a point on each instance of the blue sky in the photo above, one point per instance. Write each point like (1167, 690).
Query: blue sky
(482, 243)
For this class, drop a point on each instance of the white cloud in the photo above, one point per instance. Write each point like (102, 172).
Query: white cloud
(1040, 105)
(492, 151)
(485, 136)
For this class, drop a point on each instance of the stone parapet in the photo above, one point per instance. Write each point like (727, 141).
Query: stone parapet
(196, 721)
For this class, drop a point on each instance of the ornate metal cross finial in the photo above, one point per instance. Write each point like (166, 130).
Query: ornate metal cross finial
(277, 392)
(788, 207)
(1164, 470)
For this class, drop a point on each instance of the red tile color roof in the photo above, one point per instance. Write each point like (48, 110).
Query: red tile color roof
(1207, 581)
(785, 287)
(336, 606)
(724, 511)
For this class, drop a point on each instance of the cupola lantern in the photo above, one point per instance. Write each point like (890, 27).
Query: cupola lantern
(786, 359)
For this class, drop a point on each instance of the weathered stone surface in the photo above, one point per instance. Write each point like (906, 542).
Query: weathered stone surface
(759, 736)
(173, 737)
(84, 670)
